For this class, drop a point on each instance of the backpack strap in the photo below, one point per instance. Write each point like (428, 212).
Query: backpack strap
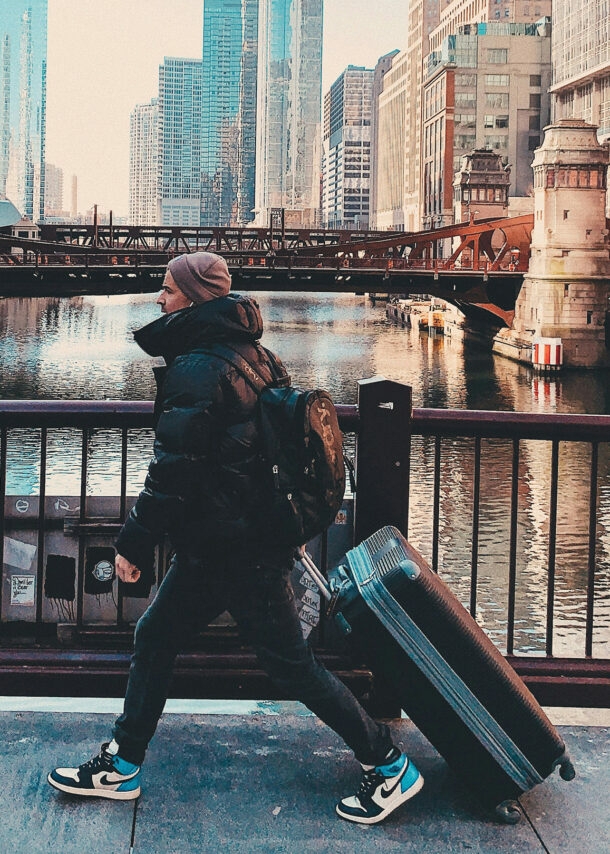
(243, 366)
(279, 372)
(269, 439)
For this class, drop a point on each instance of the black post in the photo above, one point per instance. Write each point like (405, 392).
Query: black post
(382, 456)
(382, 485)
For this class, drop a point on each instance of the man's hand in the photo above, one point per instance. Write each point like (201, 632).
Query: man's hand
(127, 572)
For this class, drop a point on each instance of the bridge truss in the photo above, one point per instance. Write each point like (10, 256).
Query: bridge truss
(478, 265)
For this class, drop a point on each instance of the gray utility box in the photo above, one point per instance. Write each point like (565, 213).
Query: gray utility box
(59, 569)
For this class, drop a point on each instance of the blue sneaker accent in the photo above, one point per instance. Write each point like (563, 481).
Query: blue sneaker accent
(131, 771)
(382, 790)
(104, 776)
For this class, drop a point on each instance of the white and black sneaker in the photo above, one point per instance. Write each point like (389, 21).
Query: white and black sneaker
(382, 790)
(104, 776)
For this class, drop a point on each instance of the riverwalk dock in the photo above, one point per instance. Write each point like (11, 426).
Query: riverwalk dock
(225, 777)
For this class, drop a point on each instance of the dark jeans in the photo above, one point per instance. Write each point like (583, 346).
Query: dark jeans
(258, 594)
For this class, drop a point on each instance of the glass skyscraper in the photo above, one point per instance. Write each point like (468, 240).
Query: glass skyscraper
(288, 115)
(220, 100)
(247, 113)
(239, 130)
(23, 69)
(179, 184)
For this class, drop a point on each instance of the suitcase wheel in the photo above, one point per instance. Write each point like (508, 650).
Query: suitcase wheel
(509, 812)
(566, 770)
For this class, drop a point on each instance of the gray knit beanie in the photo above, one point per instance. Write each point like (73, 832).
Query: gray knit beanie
(201, 276)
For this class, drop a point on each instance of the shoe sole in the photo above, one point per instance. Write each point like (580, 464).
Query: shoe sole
(95, 793)
(413, 790)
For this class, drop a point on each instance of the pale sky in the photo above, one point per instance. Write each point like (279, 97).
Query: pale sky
(104, 57)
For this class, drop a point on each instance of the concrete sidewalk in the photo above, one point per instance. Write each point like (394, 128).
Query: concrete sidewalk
(265, 777)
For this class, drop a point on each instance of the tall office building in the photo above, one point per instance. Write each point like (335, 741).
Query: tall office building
(74, 197)
(247, 113)
(288, 116)
(456, 16)
(423, 17)
(581, 62)
(54, 190)
(398, 131)
(220, 101)
(239, 130)
(23, 68)
(487, 89)
(207, 122)
(179, 176)
(384, 64)
(143, 163)
(389, 142)
(346, 150)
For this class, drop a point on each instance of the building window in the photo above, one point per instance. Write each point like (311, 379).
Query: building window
(467, 120)
(497, 55)
(501, 121)
(464, 141)
(499, 100)
(534, 101)
(535, 122)
(497, 79)
(465, 99)
(535, 80)
(465, 80)
(488, 121)
(493, 143)
(533, 143)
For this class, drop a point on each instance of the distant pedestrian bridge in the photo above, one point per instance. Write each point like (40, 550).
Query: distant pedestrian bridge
(475, 265)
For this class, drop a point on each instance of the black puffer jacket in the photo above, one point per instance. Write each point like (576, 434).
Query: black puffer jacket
(203, 483)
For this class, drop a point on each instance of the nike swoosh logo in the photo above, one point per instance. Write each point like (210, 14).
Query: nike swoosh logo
(104, 780)
(386, 793)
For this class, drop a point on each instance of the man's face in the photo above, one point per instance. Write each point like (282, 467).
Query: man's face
(171, 297)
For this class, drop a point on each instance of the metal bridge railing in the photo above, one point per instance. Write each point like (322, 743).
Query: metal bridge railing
(119, 262)
(402, 458)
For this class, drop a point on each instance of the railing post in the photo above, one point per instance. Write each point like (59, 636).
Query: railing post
(382, 457)
(382, 483)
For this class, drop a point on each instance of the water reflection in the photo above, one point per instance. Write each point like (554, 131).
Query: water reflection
(82, 348)
(79, 348)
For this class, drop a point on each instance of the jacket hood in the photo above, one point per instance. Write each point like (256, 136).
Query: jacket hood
(230, 318)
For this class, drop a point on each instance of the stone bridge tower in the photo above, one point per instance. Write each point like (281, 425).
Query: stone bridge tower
(566, 289)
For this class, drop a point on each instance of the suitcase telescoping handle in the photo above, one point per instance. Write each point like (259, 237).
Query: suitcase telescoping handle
(315, 574)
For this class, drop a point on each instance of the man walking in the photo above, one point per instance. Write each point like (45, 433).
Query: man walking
(203, 489)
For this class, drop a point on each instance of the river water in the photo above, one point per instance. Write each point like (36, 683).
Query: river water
(82, 348)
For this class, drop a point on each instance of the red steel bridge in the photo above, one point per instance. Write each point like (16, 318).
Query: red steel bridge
(476, 265)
